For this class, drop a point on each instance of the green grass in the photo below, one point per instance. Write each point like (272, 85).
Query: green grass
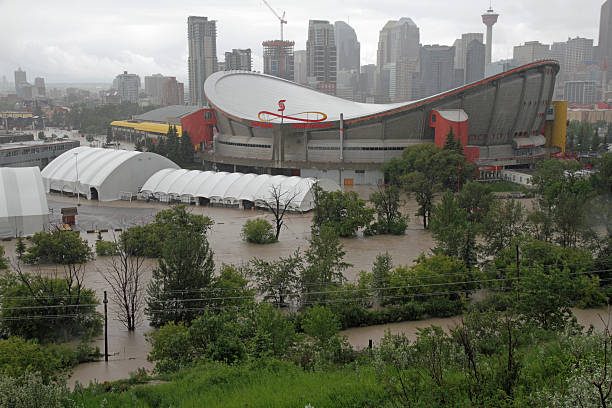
(271, 385)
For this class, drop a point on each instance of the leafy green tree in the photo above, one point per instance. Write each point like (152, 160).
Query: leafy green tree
(172, 144)
(424, 190)
(320, 323)
(563, 200)
(476, 200)
(230, 288)
(278, 281)
(324, 264)
(19, 356)
(595, 141)
(185, 267)
(32, 391)
(109, 135)
(390, 220)
(258, 231)
(274, 332)
(344, 212)
(602, 178)
(381, 275)
(503, 224)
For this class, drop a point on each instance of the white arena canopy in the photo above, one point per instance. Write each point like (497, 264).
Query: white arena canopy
(233, 189)
(103, 174)
(23, 202)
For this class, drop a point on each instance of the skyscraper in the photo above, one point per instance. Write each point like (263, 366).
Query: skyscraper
(321, 55)
(398, 43)
(437, 69)
(278, 58)
(489, 19)
(173, 92)
(475, 56)
(20, 81)
(202, 62)
(605, 35)
(461, 46)
(347, 47)
(153, 87)
(301, 67)
(238, 59)
(128, 86)
(39, 83)
(530, 51)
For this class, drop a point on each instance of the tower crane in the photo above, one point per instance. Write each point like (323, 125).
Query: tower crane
(282, 43)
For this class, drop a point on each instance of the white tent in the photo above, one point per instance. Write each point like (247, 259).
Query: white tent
(23, 203)
(234, 189)
(103, 174)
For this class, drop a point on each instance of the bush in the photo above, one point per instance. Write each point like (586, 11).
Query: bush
(19, 357)
(258, 231)
(30, 391)
(105, 248)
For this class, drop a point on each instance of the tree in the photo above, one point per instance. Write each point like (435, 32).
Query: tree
(386, 201)
(3, 261)
(423, 189)
(381, 275)
(344, 212)
(109, 135)
(563, 200)
(172, 144)
(602, 178)
(230, 288)
(258, 231)
(321, 324)
(452, 143)
(186, 148)
(278, 203)
(503, 224)
(278, 281)
(185, 268)
(124, 274)
(324, 264)
(475, 199)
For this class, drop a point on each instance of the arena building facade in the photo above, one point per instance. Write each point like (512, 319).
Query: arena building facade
(267, 124)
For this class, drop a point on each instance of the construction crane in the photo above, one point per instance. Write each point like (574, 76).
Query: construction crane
(282, 43)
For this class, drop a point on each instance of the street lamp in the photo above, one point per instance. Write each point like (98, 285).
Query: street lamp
(76, 167)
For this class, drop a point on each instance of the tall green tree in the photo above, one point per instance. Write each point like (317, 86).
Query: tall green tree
(186, 148)
(278, 281)
(503, 224)
(452, 143)
(3, 260)
(185, 269)
(386, 201)
(325, 264)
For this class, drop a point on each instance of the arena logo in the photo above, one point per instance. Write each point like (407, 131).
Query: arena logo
(311, 119)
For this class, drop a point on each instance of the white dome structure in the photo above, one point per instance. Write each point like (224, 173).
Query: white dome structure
(102, 174)
(23, 203)
(233, 189)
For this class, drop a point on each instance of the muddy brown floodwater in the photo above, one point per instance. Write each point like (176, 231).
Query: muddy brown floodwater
(128, 351)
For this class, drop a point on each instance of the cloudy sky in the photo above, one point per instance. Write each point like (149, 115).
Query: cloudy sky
(92, 41)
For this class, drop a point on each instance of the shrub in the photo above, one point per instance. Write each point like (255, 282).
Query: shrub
(258, 231)
(105, 248)
(30, 391)
(19, 357)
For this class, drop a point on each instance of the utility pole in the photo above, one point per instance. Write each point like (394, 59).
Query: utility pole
(105, 328)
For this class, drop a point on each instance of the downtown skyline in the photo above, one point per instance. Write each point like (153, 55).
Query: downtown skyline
(148, 38)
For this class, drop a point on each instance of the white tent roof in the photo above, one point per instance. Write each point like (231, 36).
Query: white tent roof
(231, 188)
(23, 203)
(110, 172)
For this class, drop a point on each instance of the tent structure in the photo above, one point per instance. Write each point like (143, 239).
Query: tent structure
(102, 174)
(23, 202)
(233, 189)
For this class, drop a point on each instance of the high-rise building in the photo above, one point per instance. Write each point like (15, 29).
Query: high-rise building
(202, 62)
(173, 92)
(475, 56)
(39, 84)
(321, 54)
(300, 67)
(580, 92)
(461, 47)
(347, 47)
(153, 87)
(367, 82)
(530, 51)
(20, 81)
(604, 46)
(577, 52)
(397, 60)
(437, 72)
(238, 59)
(128, 86)
(278, 58)
(489, 19)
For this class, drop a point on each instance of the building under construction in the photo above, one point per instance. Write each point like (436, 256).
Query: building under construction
(278, 58)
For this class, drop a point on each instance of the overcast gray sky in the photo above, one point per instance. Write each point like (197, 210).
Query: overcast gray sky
(92, 41)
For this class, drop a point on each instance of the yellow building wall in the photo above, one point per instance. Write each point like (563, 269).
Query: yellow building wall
(556, 130)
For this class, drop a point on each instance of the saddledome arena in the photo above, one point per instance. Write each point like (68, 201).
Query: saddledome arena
(500, 120)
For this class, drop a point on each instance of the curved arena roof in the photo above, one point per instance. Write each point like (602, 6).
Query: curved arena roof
(245, 94)
(23, 202)
(232, 188)
(105, 172)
